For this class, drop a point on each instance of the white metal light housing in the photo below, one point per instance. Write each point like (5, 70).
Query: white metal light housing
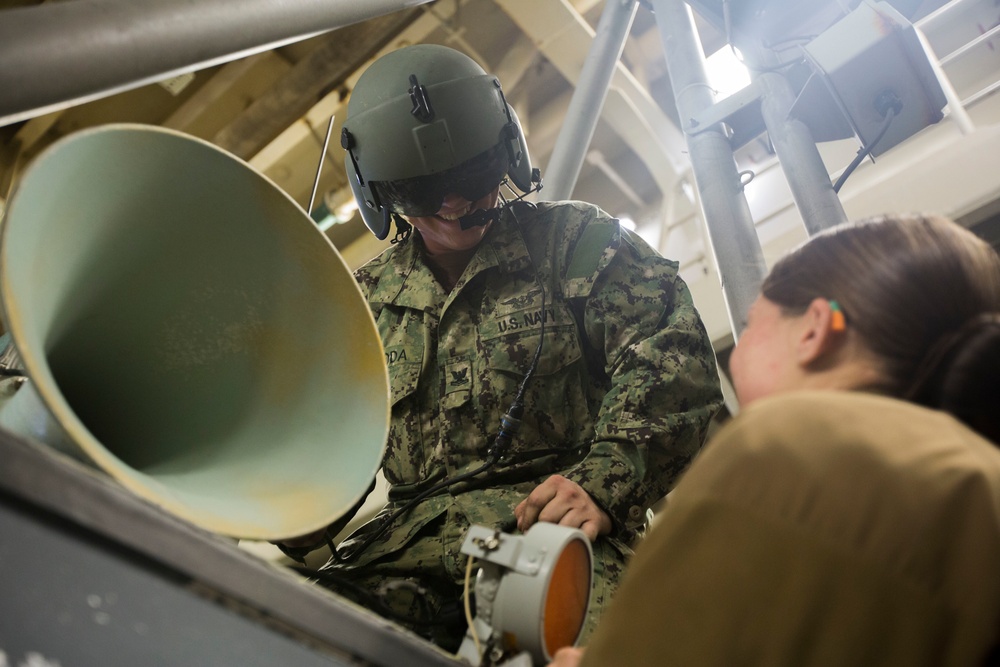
(532, 591)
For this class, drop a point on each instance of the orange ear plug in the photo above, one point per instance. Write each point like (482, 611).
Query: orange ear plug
(838, 323)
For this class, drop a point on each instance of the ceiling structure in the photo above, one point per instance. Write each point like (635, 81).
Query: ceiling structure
(273, 109)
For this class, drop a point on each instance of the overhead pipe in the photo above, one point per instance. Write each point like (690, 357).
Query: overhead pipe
(806, 174)
(730, 224)
(56, 55)
(564, 37)
(588, 99)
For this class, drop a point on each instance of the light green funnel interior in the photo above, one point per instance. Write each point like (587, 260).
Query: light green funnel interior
(193, 333)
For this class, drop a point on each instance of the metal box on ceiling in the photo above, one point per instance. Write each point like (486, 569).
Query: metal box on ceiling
(871, 60)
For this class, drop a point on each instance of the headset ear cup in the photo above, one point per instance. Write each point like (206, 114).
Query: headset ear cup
(378, 222)
(517, 148)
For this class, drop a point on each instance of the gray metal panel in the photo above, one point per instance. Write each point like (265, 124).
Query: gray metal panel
(78, 600)
(102, 532)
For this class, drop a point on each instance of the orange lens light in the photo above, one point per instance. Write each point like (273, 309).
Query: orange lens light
(567, 597)
(533, 590)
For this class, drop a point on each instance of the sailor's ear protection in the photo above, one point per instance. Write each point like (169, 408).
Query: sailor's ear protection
(376, 217)
(520, 171)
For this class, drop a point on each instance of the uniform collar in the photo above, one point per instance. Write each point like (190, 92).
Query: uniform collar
(503, 248)
(506, 243)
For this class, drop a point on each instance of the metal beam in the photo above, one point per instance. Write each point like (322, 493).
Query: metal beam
(730, 225)
(340, 54)
(800, 160)
(563, 36)
(216, 87)
(56, 55)
(588, 98)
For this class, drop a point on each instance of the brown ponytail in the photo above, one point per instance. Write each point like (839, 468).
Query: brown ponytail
(962, 376)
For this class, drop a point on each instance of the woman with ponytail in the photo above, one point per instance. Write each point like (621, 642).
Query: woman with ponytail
(850, 515)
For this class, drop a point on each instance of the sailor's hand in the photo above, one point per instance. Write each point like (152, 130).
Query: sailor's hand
(569, 656)
(562, 501)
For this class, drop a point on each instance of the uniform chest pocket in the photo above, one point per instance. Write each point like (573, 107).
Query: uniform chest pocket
(556, 408)
(512, 354)
(404, 452)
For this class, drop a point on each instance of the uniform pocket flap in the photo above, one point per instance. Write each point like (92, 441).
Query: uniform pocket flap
(514, 352)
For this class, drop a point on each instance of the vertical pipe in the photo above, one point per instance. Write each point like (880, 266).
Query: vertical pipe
(585, 105)
(798, 156)
(727, 214)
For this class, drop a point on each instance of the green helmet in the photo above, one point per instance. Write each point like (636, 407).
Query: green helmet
(424, 121)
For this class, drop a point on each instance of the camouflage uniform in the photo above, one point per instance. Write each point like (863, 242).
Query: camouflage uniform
(625, 386)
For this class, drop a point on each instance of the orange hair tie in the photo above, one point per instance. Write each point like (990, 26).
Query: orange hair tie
(838, 322)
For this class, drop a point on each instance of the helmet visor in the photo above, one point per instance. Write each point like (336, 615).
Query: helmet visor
(423, 195)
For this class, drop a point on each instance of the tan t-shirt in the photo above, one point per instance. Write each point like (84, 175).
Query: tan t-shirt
(820, 528)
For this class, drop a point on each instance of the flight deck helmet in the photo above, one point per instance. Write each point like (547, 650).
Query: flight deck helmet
(425, 121)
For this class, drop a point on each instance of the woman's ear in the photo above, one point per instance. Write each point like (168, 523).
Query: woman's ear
(821, 332)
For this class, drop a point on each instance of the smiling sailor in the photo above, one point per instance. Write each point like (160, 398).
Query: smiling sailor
(545, 364)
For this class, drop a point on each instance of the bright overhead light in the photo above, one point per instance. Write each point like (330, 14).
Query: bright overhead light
(339, 216)
(726, 73)
(346, 211)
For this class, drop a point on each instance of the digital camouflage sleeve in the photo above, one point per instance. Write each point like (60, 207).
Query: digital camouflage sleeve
(662, 384)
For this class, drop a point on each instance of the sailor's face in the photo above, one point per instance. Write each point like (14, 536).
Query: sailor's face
(762, 363)
(442, 232)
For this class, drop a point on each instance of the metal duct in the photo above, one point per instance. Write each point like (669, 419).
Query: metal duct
(60, 54)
